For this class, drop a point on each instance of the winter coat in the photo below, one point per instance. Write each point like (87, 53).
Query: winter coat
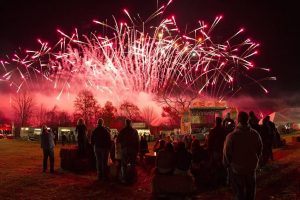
(129, 139)
(242, 150)
(101, 138)
(81, 131)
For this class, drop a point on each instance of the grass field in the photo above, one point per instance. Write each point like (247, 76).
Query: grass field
(21, 177)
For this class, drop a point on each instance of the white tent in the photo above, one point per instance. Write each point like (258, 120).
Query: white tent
(286, 116)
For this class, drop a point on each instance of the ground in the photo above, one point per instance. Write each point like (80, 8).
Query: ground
(21, 177)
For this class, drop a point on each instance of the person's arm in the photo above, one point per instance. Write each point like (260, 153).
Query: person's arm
(227, 151)
(260, 146)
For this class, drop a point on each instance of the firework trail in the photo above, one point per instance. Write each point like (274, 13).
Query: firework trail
(139, 57)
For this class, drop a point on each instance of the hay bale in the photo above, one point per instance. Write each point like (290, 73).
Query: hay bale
(72, 162)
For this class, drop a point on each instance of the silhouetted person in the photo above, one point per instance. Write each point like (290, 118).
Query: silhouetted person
(199, 154)
(143, 148)
(253, 121)
(242, 150)
(55, 137)
(101, 141)
(81, 136)
(159, 146)
(271, 136)
(129, 141)
(63, 139)
(215, 143)
(228, 123)
(183, 159)
(47, 144)
(165, 160)
(199, 160)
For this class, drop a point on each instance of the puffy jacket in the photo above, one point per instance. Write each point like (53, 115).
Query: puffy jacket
(242, 150)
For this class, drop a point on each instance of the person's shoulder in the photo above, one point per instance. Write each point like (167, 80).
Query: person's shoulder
(95, 130)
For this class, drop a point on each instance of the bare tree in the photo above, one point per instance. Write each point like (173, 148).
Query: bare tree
(64, 119)
(4, 119)
(173, 116)
(41, 115)
(149, 115)
(86, 106)
(108, 113)
(51, 116)
(23, 106)
(177, 104)
(130, 111)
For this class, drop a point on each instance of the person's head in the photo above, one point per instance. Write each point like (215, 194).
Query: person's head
(218, 121)
(251, 114)
(228, 115)
(268, 118)
(243, 118)
(80, 121)
(169, 147)
(127, 122)
(265, 121)
(100, 122)
(44, 128)
(142, 137)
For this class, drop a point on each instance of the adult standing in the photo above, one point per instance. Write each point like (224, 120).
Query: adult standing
(129, 141)
(215, 141)
(143, 148)
(254, 121)
(216, 138)
(81, 136)
(47, 144)
(242, 150)
(272, 134)
(101, 141)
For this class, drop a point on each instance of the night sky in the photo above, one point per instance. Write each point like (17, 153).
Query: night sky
(273, 24)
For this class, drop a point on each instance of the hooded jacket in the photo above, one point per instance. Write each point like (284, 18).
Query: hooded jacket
(242, 150)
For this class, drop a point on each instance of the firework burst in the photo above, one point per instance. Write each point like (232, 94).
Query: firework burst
(139, 57)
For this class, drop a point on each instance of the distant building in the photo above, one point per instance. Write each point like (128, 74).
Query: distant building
(201, 115)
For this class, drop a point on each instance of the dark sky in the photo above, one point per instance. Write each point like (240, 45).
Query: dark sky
(272, 23)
